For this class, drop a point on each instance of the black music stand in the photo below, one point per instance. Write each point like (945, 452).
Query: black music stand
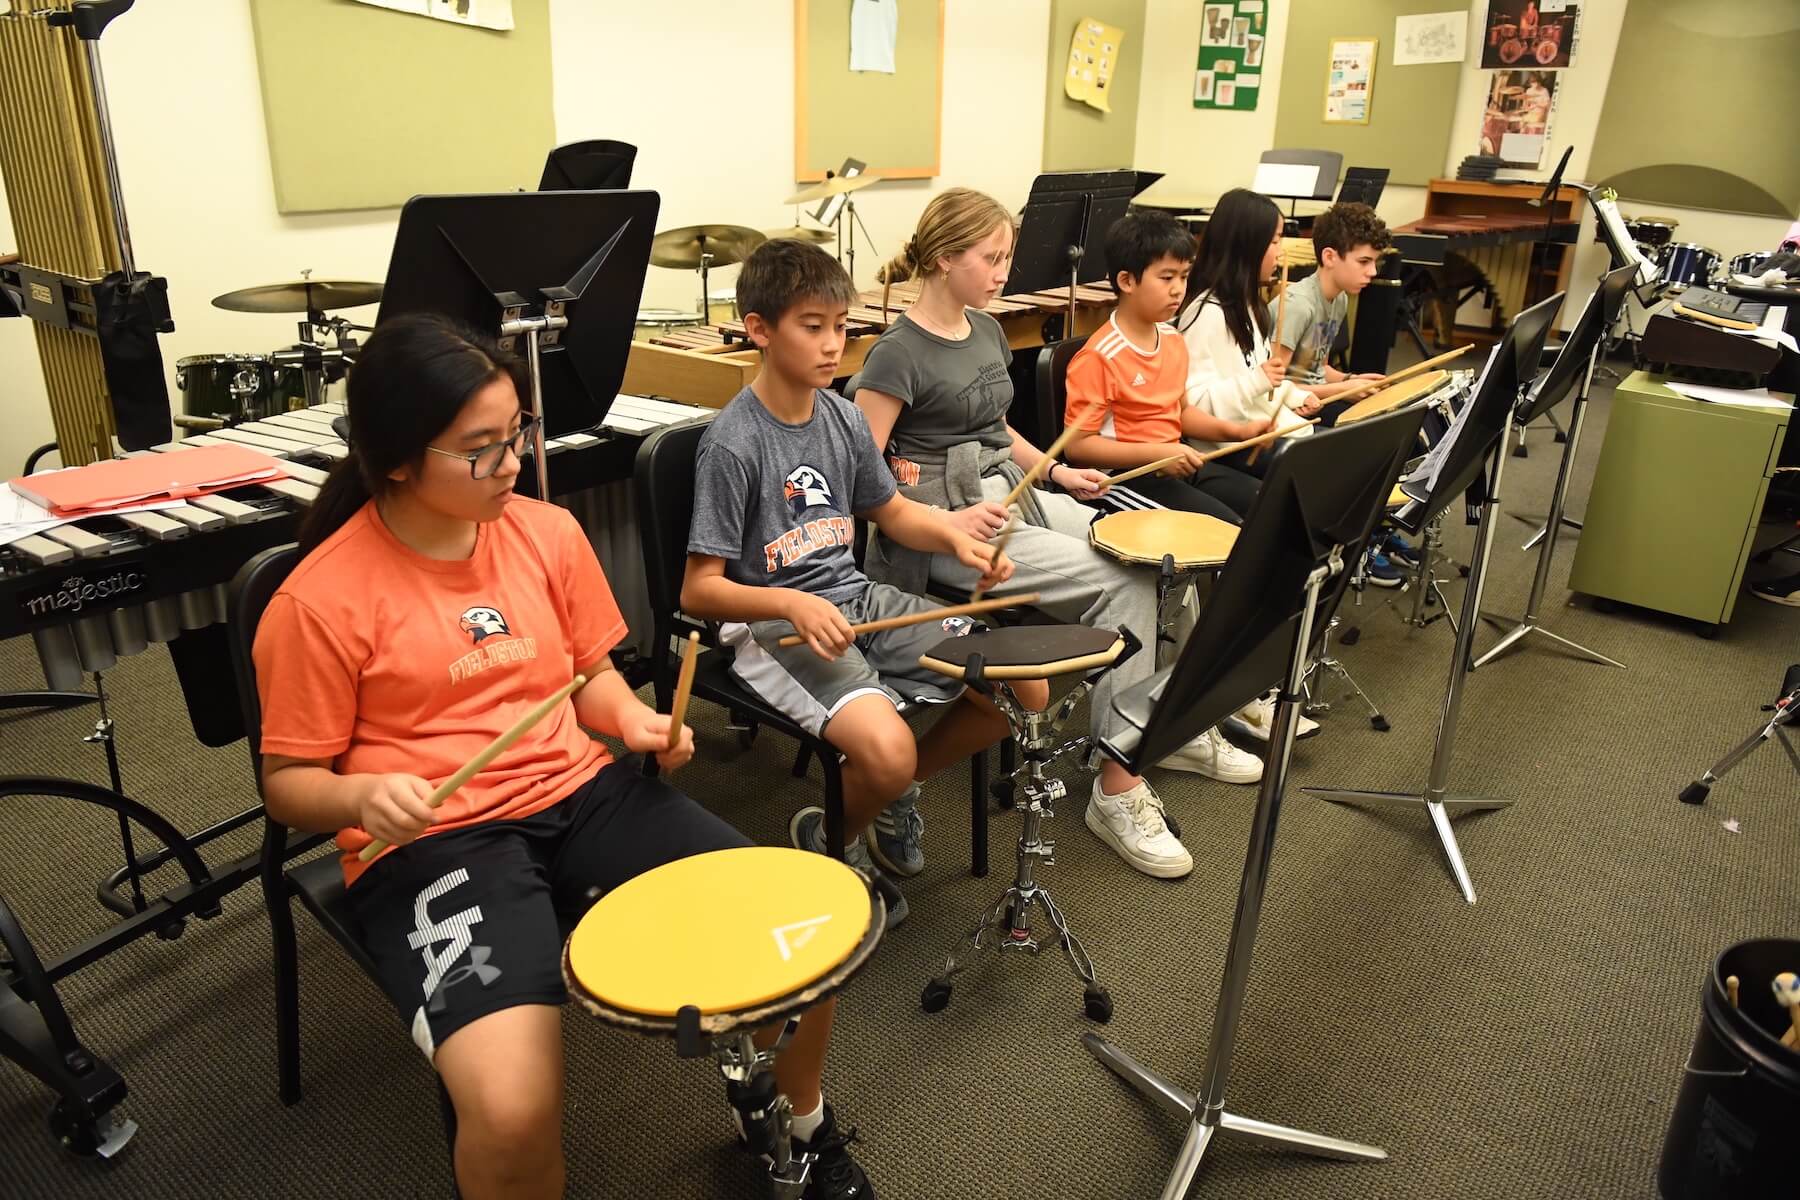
(565, 270)
(601, 164)
(1318, 505)
(1363, 185)
(1062, 233)
(1470, 460)
(1576, 361)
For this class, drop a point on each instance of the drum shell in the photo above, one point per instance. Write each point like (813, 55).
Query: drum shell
(237, 387)
(1751, 263)
(1687, 264)
(1655, 234)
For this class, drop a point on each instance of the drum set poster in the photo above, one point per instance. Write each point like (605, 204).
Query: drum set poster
(1516, 123)
(1530, 33)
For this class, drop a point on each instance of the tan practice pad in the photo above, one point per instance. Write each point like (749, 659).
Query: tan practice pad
(1397, 497)
(1390, 398)
(1026, 651)
(1145, 536)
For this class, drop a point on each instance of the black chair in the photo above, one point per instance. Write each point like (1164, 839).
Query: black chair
(318, 883)
(664, 484)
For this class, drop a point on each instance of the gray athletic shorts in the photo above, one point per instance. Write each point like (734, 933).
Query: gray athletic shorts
(811, 690)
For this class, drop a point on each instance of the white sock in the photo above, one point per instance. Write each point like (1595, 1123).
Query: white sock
(807, 1124)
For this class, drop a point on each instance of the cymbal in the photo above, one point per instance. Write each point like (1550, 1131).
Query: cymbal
(832, 187)
(302, 295)
(801, 233)
(682, 248)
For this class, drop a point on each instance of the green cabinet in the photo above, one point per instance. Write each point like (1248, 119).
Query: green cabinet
(1675, 502)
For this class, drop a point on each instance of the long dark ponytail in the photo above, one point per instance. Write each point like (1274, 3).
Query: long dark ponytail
(1230, 264)
(410, 380)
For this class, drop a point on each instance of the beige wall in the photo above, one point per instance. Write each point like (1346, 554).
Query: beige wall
(1078, 136)
(706, 92)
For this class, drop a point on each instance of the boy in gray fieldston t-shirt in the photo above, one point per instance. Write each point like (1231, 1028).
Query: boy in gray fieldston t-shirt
(1348, 240)
(781, 476)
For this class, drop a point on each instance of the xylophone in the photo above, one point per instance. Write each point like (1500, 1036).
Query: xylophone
(709, 364)
(94, 590)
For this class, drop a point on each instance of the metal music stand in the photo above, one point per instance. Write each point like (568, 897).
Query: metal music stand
(1318, 505)
(1471, 460)
(1062, 233)
(1577, 360)
(563, 270)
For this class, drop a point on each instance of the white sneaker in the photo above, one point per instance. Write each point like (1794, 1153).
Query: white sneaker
(1132, 824)
(1211, 755)
(1257, 720)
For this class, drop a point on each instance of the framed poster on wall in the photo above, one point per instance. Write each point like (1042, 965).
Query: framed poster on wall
(1233, 34)
(1350, 81)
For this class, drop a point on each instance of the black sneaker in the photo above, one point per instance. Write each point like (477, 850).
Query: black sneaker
(1778, 591)
(834, 1175)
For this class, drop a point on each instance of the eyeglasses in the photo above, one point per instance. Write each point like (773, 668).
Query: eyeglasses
(485, 461)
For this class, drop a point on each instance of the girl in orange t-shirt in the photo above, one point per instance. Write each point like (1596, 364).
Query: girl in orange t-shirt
(430, 610)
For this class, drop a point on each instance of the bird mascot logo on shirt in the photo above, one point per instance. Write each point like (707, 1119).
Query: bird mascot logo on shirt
(804, 488)
(482, 622)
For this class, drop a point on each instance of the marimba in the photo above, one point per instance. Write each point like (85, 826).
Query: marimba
(709, 364)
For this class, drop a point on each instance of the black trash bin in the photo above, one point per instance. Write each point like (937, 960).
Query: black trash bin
(1736, 1128)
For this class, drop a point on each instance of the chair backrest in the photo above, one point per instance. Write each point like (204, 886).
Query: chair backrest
(585, 166)
(663, 486)
(254, 585)
(1053, 385)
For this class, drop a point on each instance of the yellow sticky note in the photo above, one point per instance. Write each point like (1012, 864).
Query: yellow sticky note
(1092, 86)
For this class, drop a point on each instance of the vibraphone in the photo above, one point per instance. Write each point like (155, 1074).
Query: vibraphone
(103, 587)
(709, 364)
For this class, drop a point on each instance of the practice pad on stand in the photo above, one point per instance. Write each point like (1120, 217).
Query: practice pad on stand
(1390, 398)
(1026, 651)
(1194, 540)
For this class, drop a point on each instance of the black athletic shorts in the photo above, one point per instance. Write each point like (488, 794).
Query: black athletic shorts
(466, 923)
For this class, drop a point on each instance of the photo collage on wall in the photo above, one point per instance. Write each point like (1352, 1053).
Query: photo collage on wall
(1524, 43)
(1233, 36)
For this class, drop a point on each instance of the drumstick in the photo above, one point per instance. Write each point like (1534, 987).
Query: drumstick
(934, 614)
(1038, 468)
(1787, 994)
(1375, 385)
(684, 687)
(1258, 440)
(1281, 304)
(1158, 465)
(1731, 989)
(488, 754)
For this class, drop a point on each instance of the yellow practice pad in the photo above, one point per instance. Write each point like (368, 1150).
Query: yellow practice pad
(1390, 398)
(1145, 535)
(723, 932)
(1397, 497)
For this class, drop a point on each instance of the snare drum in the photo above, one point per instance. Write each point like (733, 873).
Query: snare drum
(1395, 396)
(1195, 541)
(1751, 264)
(746, 937)
(238, 387)
(652, 322)
(721, 305)
(1688, 265)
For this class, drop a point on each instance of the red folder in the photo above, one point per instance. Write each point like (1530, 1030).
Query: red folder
(117, 482)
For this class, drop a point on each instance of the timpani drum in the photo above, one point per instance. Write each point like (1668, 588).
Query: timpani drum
(1195, 541)
(1388, 399)
(744, 937)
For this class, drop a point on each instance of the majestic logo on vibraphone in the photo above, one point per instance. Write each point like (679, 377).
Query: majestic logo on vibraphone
(78, 591)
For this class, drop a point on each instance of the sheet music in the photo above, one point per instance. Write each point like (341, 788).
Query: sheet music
(1619, 239)
(1296, 180)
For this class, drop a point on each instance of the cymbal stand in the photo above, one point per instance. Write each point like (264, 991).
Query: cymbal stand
(705, 278)
(847, 218)
(1204, 1112)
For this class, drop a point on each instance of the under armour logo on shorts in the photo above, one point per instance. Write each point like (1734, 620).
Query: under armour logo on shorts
(476, 966)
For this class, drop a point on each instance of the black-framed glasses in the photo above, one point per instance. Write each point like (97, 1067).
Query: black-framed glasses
(485, 461)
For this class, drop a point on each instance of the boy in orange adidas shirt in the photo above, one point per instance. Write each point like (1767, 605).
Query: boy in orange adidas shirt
(1127, 384)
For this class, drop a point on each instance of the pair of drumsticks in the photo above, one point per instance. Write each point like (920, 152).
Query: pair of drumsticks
(1786, 987)
(494, 749)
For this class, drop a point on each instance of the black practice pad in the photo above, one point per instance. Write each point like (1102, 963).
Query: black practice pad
(1027, 651)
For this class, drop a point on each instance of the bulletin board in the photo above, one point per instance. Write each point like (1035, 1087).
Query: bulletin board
(893, 122)
(367, 107)
(1413, 109)
(1233, 44)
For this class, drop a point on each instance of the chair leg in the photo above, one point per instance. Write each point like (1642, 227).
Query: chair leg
(834, 804)
(802, 760)
(978, 815)
(287, 985)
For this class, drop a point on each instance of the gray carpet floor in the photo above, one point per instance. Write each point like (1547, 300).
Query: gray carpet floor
(1528, 1046)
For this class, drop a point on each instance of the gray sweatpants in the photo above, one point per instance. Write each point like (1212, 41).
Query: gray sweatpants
(1078, 585)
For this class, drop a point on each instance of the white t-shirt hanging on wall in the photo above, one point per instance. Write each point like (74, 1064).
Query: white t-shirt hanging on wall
(874, 28)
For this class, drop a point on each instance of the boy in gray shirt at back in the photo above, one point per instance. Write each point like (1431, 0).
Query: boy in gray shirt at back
(781, 476)
(1348, 239)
